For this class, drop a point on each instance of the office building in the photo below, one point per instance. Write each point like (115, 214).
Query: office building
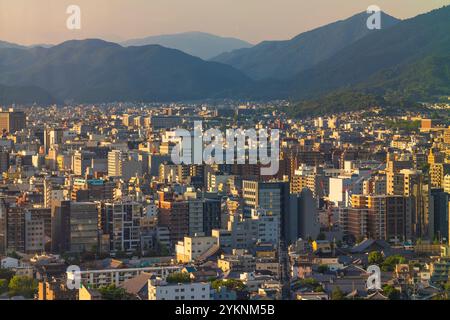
(12, 121)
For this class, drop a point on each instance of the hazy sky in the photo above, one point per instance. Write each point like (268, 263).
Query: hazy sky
(44, 21)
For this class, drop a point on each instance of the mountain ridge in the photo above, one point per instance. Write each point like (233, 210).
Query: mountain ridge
(404, 44)
(94, 70)
(284, 59)
(200, 44)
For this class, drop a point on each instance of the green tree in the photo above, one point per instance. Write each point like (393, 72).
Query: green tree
(112, 292)
(447, 287)
(230, 284)
(391, 292)
(319, 288)
(375, 257)
(179, 277)
(6, 274)
(446, 294)
(22, 286)
(322, 268)
(337, 294)
(3, 286)
(390, 262)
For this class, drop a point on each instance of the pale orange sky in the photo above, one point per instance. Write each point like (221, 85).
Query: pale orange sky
(44, 21)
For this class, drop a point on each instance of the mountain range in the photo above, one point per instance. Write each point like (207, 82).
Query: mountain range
(96, 71)
(198, 44)
(285, 59)
(385, 60)
(5, 44)
(405, 60)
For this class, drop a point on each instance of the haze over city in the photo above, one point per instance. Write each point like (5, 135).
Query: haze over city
(41, 22)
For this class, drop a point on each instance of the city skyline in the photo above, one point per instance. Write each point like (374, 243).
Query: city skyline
(27, 22)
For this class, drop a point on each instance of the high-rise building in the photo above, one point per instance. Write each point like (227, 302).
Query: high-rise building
(83, 226)
(81, 161)
(353, 222)
(195, 216)
(15, 228)
(245, 233)
(446, 185)
(92, 190)
(3, 211)
(52, 136)
(127, 120)
(53, 190)
(4, 161)
(174, 214)
(211, 215)
(37, 229)
(439, 221)
(301, 219)
(12, 121)
(447, 135)
(165, 122)
(74, 226)
(413, 186)
(121, 221)
(395, 163)
(268, 196)
(389, 217)
(386, 217)
(114, 163)
(312, 179)
(438, 171)
(123, 165)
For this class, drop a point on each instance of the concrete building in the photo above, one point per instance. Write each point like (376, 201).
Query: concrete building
(162, 290)
(385, 217)
(245, 233)
(74, 226)
(195, 216)
(438, 171)
(12, 121)
(302, 218)
(238, 261)
(165, 122)
(195, 247)
(121, 221)
(269, 196)
(106, 277)
(174, 214)
(439, 221)
(123, 165)
(81, 161)
(37, 229)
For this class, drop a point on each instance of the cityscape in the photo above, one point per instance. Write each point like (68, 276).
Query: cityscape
(147, 170)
